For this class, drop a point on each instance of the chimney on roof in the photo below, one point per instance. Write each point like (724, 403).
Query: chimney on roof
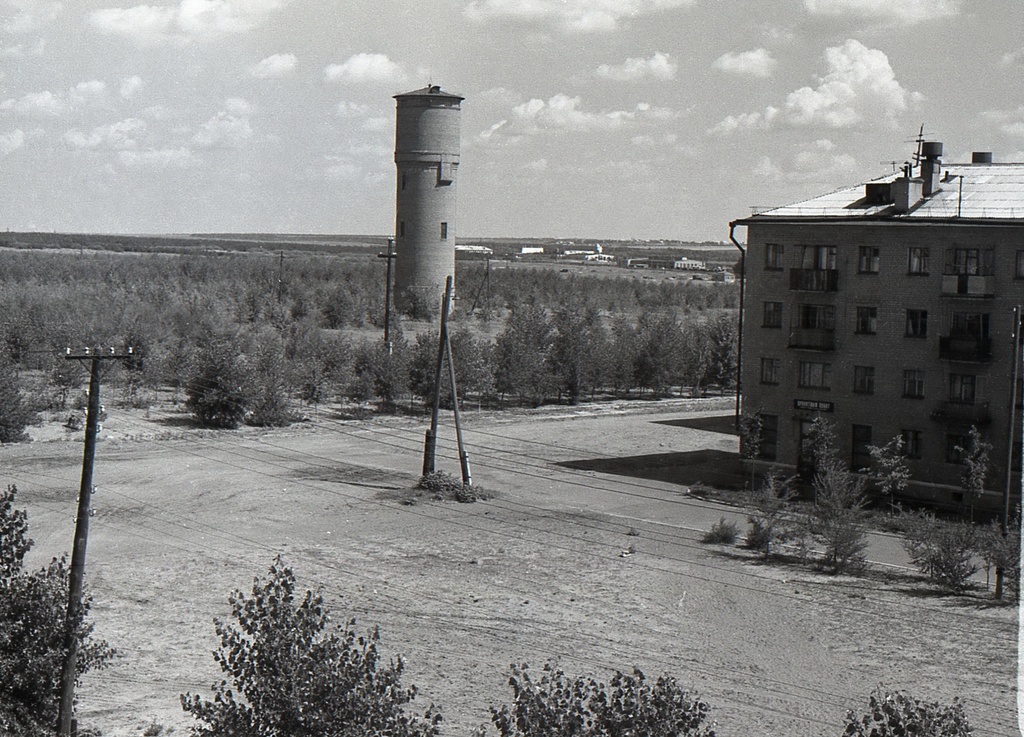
(905, 192)
(931, 166)
(981, 157)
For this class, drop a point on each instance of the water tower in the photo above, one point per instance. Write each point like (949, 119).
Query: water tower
(427, 160)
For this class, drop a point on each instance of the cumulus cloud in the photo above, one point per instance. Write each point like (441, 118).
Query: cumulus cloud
(659, 66)
(277, 65)
(130, 85)
(118, 136)
(163, 158)
(29, 16)
(757, 63)
(815, 162)
(23, 50)
(1013, 58)
(565, 114)
(37, 104)
(229, 128)
(860, 87)
(569, 15)
(1008, 122)
(904, 11)
(361, 68)
(185, 21)
(12, 141)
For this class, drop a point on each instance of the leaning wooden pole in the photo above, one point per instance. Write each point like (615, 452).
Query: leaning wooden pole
(430, 442)
(467, 477)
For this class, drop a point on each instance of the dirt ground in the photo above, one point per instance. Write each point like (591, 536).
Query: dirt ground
(573, 560)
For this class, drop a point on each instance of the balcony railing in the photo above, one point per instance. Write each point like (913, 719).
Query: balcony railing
(973, 350)
(817, 339)
(965, 285)
(814, 280)
(962, 413)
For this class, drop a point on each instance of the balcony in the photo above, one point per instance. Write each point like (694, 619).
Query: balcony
(968, 285)
(967, 349)
(962, 413)
(815, 339)
(814, 280)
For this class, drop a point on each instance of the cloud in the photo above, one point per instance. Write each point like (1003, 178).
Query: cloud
(538, 166)
(903, 11)
(229, 128)
(37, 104)
(757, 63)
(660, 66)
(277, 65)
(860, 87)
(348, 109)
(11, 142)
(29, 16)
(188, 20)
(164, 158)
(117, 136)
(130, 85)
(1008, 122)
(1013, 58)
(583, 16)
(564, 114)
(820, 161)
(362, 68)
(23, 50)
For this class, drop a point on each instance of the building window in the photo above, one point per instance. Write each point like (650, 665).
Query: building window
(956, 445)
(403, 181)
(815, 375)
(769, 437)
(773, 253)
(863, 379)
(401, 228)
(1019, 269)
(969, 325)
(917, 323)
(867, 320)
(962, 388)
(772, 315)
(911, 444)
(867, 259)
(770, 370)
(964, 261)
(818, 257)
(917, 261)
(860, 458)
(820, 317)
(444, 231)
(913, 383)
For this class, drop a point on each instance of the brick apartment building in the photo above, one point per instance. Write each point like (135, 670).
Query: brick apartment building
(890, 308)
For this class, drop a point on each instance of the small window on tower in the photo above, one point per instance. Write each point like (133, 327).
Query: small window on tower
(444, 231)
(401, 228)
(403, 181)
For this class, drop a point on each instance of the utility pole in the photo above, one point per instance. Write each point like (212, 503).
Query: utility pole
(390, 256)
(76, 576)
(430, 442)
(1004, 517)
(280, 276)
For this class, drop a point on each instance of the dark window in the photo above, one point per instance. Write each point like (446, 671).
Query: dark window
(966, 262)
(770, 370)
(867, 259)
(969, 325)
(815, 375)
(911, 444)
(444, 231)
(821, 317)
(401, 228)
(773, 253)
(917, 260)
(818, 257)
(917, 323)
(861, 446)
(769, 437)
(403, 181)
(864, 379)
(956, 445)
(867, 320)
(962, 388)
(772, 315)
(913, 383)
(1019, 269)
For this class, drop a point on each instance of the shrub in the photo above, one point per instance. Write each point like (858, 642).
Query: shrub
(895, 714)
(722, 532)
(768, 517)
(582, 706)
(942, 551)
(289, 672)
(1002, 552)
(33, 608)
(837, 519)
(216, 389)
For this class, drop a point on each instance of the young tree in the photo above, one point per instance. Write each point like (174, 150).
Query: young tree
(889, 467)
(661, 348)
(975, 458)
(557, 704)
(521, 350)
(33, 606)
(837, 518)
(769, 507)
(218, 387)
(267, 386)
(897, 714)
(15, 416)
(290, 673)
(578, 348)
(941, 550)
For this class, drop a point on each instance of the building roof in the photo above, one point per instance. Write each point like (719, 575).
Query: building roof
(982, 191)
(431, 90)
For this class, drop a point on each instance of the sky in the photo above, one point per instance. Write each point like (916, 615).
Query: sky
(614, 119)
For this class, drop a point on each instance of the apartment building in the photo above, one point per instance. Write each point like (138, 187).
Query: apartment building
(891, 309)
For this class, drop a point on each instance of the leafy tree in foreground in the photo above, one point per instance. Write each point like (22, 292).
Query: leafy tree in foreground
(896, 714)
(584, 707)
(290, 673)
(14, 415)
(32, 620)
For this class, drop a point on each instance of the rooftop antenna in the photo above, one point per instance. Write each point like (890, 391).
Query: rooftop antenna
(920, 144)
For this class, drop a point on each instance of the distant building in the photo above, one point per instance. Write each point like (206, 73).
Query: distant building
(889, 308)
(478, 250)
(688, 264)
(531, 250)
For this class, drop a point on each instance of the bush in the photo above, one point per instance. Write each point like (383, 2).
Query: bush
(769, 510)
(33, 608)
(289, 672)
(942, 551)
(216, 389)
(895, 714)
(1002, 552)
(722, 533)
(584, 707)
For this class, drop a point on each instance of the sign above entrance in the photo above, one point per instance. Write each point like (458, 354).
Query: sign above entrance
(813, 405)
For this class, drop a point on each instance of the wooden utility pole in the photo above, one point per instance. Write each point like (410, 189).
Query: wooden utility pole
(76, 578)
(1004, 518)
(430, 442)
(390, 256)
(463, 457)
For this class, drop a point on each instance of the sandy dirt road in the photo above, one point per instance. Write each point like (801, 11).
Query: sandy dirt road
(598, 571)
